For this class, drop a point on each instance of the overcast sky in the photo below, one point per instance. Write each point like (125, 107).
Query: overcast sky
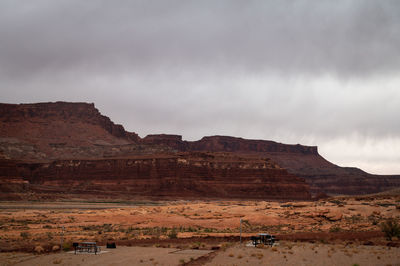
(324, 73)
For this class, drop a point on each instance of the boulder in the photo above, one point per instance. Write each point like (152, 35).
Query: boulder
(334, 216)
(39, 249)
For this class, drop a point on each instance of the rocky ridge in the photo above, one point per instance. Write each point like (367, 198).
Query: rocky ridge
(43, 146)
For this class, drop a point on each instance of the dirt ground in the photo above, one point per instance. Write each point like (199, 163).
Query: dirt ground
(298, 254)
(119, 256)
(202, 225)
(286, 253)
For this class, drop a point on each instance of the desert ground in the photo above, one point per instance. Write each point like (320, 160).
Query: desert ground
(333, 231)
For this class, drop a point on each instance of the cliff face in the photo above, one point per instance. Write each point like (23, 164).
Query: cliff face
(58, 149)
(227, 144)
(57, 130)
(54, 147)
(185, 175)
(44, 114)
(302, 161)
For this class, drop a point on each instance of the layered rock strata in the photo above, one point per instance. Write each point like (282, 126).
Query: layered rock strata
(47, 134)
(302, 161)
(187, 175)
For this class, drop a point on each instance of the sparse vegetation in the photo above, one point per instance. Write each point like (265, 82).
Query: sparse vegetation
(24, 235)
(335, 228)
(391, 229)
(57, 261)
(337, 202)
(49, 235)
(67, 246)
(173, 234)
(225, 245)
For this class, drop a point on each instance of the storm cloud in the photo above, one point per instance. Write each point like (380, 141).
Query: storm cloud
(320, 73)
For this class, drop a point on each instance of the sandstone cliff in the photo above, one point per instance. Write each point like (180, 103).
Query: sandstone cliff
(50, 146)
(180, 176)
(303, 161)
(57, 130)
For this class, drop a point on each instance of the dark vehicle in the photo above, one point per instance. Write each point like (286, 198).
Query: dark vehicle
(265, 239)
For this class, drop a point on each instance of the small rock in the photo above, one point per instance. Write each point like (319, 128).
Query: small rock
(368, 243)
(334, 216)
(393, 244)
(325, 227)
(56, 248)
(39, 249)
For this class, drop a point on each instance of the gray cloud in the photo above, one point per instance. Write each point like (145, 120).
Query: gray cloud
(310, 72)
(345, 38)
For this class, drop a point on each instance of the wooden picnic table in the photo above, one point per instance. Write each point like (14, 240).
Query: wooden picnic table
(265, 239)
(90, 247)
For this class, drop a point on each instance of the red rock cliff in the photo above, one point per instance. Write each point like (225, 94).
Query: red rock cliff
(43, 114)
(185, 175)
(50, 132)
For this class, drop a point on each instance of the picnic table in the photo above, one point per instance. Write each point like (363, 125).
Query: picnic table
(90, 247)
(265, 239)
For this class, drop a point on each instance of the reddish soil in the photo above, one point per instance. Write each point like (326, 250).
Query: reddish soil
(26, 225)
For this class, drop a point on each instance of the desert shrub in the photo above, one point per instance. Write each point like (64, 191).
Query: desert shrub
(391, 228)
(354, 218)
(337, 202)
(190, 229)
(67, 246)
(107, 227)
(225, 245)
(208, 230)
(334, 229)
(24, 235)
(89, 227)
(195, 245)
(173, 234)
(57, 261)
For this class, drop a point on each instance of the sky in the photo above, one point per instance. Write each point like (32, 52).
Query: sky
(321, 73)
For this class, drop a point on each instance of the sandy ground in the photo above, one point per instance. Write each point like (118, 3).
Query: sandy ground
(167, 226)
(119, 256)
(286, 253)
(298, 254)
(43, 222)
